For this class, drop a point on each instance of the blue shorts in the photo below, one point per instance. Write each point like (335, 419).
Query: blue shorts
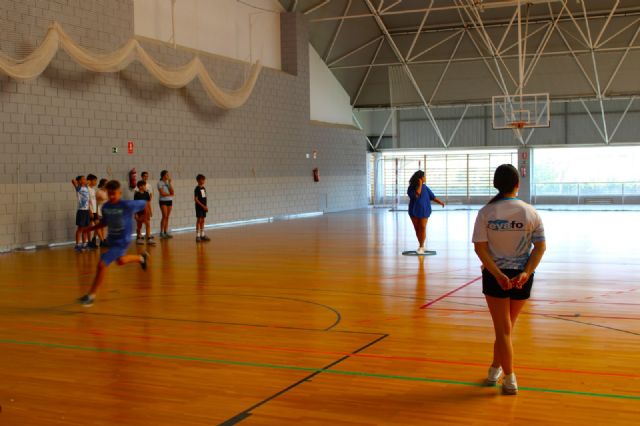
(114, 253)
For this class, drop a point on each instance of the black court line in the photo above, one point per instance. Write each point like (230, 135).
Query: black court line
(329, 308)
(335, 311)
(240, 295)
(559, 318)
(594, 325)
(247, 413)
(240, 324)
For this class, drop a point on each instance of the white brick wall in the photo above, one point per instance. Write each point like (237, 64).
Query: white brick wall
(65, 123)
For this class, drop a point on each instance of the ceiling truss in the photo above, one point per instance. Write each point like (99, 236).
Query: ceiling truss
(582, 34)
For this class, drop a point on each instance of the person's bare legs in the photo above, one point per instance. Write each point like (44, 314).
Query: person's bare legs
(416, 226)
(423, 231)
(515, 309)
(500, 310)
(101, 271)
(147, 225)
(420, 226)
(100, 233)
(165, 219)
(78, 235)
(86, 234)
(166, 225)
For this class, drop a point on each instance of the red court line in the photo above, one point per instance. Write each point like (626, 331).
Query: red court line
(553, 301)
(426, 305)
(471, 311)
(185, 341)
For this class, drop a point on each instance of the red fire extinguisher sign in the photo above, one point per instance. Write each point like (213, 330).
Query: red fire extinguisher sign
(130, 147)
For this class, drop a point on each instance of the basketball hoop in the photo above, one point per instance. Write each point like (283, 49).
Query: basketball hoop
(520, 111)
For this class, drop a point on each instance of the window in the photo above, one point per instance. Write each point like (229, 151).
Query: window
(452, 175)
(587, 172)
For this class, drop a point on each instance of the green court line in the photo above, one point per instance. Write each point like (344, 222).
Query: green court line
(306, 369)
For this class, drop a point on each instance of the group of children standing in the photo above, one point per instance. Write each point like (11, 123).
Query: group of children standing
(92, 196)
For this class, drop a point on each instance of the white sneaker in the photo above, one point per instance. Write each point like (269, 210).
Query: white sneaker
(139, 241)
(509, 385)
(493, 376)
(420, 250)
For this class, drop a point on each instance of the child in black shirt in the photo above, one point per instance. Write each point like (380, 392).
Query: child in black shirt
(143, 217)
(200, 198)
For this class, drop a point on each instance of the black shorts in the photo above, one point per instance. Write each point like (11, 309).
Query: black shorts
(168, 203)
(95, 217)
(490, 286)
(83, 218)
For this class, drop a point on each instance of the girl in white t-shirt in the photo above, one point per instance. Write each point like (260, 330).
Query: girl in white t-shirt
(165, 189)
(504, 233)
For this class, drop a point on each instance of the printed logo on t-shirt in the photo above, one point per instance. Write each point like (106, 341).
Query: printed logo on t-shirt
(505, 225)
(115, 220)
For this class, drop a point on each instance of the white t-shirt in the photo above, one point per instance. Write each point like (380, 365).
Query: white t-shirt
(92, 200)
(510, 226)
(164, 186)
(103, 196)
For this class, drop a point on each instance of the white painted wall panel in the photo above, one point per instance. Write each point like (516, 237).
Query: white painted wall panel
(330, 103)
(222, 27)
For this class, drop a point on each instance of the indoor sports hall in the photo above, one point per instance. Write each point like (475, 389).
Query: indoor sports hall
(319, 212)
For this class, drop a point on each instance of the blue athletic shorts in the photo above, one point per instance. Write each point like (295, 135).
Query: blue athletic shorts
(114, 253)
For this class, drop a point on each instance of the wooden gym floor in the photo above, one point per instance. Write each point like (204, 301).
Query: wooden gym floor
(317, 321)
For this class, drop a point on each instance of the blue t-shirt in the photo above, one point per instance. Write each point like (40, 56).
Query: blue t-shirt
(420, 207)
(119, 218)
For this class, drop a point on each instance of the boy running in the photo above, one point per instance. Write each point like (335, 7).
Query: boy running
(117, 214)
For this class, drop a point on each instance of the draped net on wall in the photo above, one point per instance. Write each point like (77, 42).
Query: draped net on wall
(36, 63)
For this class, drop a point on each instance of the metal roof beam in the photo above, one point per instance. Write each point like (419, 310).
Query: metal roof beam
(422, 22)
(406, 68)
(353, 51)
(366, 75)
(621, 61)
(316, 7)
(481, 57)
(337, 33)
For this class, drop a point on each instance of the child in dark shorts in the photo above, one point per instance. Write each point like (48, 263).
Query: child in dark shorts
(200, 198)
(83, 214)
(117, 215)
(143, 217)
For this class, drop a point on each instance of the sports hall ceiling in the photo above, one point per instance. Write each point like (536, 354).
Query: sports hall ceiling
(465, 51)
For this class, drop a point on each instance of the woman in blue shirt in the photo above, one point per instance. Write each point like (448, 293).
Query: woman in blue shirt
(420, 197)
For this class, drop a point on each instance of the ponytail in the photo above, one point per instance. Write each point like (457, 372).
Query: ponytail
(414, 182)
(505, 180)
